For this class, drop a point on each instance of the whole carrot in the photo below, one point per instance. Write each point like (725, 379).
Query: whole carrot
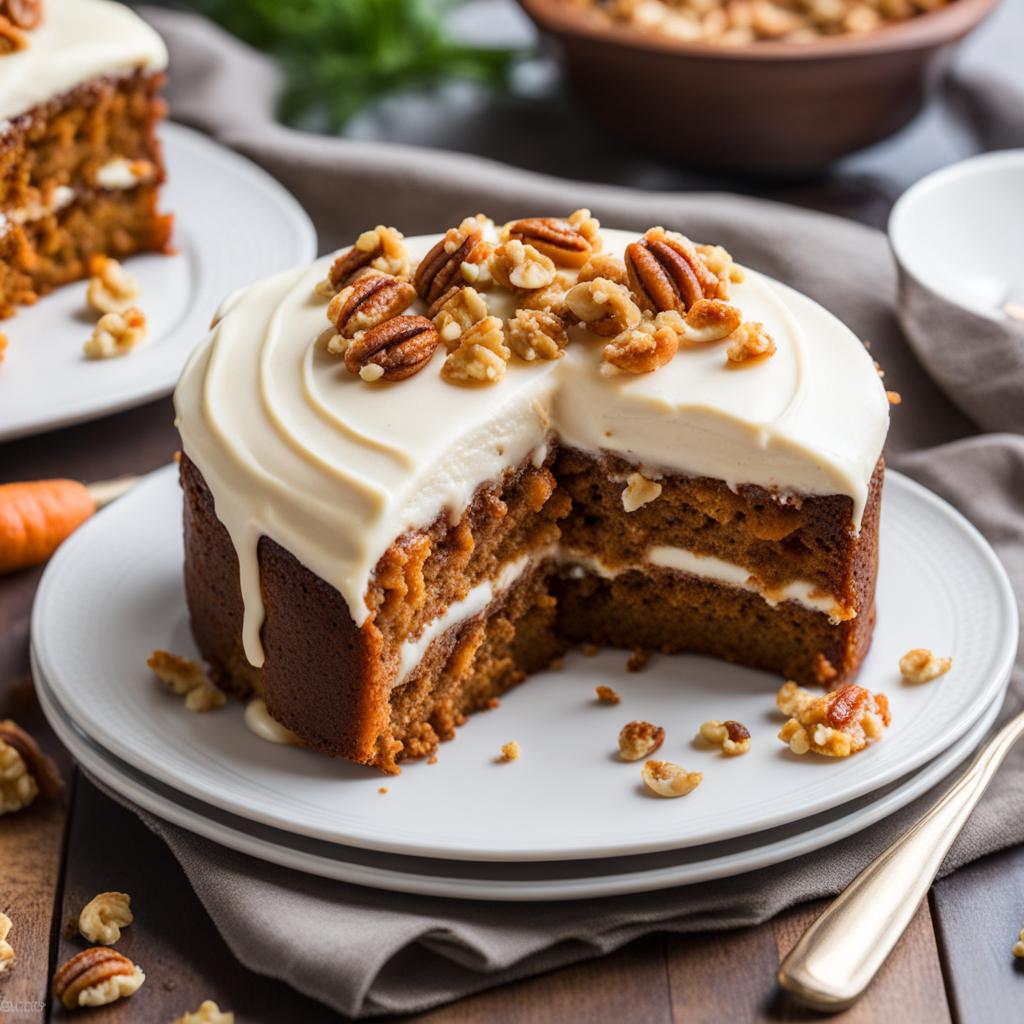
(35, 517)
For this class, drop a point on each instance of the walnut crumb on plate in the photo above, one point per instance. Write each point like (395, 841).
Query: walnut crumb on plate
(606, 695)
(835, 724)
(922, 666)
(510, 751)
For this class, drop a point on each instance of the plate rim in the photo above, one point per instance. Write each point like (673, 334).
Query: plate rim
(922, 753)
(96, 407)
(726, 865)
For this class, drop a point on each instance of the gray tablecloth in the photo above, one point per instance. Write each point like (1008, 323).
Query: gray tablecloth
(367, 952)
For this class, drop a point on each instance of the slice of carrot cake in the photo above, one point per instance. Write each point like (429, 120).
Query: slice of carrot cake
(418, 470)
(80, 164)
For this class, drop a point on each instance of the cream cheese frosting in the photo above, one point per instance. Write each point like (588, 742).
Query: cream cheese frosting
(77, 40)
(296, 448)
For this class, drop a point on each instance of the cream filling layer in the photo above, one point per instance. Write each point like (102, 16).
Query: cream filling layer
(479, 597)
(802, 592)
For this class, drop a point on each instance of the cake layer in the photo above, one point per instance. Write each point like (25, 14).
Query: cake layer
(332, 469)
(78, 40)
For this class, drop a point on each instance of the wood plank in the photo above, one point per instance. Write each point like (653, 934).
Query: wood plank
(978, 913)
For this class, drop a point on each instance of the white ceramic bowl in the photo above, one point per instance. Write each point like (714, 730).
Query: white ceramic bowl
(958, 239)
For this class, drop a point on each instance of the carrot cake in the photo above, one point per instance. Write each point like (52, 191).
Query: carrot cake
(80, 164)
(420, 469)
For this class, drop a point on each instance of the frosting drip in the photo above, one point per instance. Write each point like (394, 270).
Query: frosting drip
(294, 447)
(77, 40)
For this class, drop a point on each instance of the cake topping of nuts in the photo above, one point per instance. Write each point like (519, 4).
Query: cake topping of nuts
(733, 737)
(381, 249)
(393, 350)
(111, 288)
(116, 334)
(835, 724)
(668, 779)
(604, 264)
(515, 264)
(456, 311)
(367, 301)
(441, 268)
(6, 949)
(750, 341)
(922, 666)
(638, 740)
(12, 39)
(482, 355)
(666, 271)
(707, 320)
(603, 306)
(510, 751)
(25, 771)
(537, 334)
(568, 243)
(643, 349)
(187, 679)
(606, 695)
(208, 1013)
(103, 917)
(95, 977)
(639, 492)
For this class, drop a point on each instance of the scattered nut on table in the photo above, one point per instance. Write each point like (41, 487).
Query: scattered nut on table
(922, 666)
(25, 771)
(103, 917)
(638, 740)
(668, 779)
(208, 1013)
(6, 949)
(733, 737)
(95, 977)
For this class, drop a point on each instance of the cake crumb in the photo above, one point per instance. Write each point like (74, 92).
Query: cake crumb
(606, 695)
(510, 751)
(432, 759)
(823, 669)
(382, 789)
(557, 665)
(589, 650)
(637, 659)
(922, 666)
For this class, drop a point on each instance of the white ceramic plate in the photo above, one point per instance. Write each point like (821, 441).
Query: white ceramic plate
(233, 225)
(517, 881)
(113, 593)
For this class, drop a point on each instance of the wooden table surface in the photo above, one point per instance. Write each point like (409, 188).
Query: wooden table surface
(954, 963)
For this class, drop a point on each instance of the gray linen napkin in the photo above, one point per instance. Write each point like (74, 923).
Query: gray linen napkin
(367, 952)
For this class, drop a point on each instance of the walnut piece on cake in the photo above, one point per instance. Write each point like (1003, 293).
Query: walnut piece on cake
(537, 334)
(25, 771)
(835, 724)
(920, 665)
(96, 977)
(381, 248)
(603, 307)
(643, 349)
(6, 949)
(111, 288)
(603, 264)
(731, 736)
(187, 679)
(669, 780)
(208, 1013)
(639, 492)
(518, 265)
(638, 740)
(481, 357)
(455, 312)
(103, 917)
(116, 334)
(750, 341)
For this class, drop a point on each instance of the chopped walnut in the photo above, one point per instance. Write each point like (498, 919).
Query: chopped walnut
(551, 298)
(17, 786)
(733, 737)
(706, 320)
(606, 695)
(116, 334)
(455, 312)
(381, 248)
(111, 288)
(103, 917)
(6, 949)
(482, 355)
(1018, 946)
(638, 740)
(603, 264)
(510, 751)
(668, 779)
(187, 679)
(208, 1013)
(537, 334)
(836, 724)
(922, 666)
(639, 492)
(515, 265)
(720, 262)
(643, 349)
(750, 341)
(603, 306)
(588, 226)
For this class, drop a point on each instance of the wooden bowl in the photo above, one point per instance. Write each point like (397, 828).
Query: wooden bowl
(769, 109)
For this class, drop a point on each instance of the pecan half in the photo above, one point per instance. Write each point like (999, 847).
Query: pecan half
(383, 249)
(557, 239)
(95, 977)
(39, 766)
(369, 301)
(12, 39)
(24, 13)
(665, 271)
(441, 268)
(398, 347)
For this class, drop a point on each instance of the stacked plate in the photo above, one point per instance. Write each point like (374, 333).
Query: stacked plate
(568, 820)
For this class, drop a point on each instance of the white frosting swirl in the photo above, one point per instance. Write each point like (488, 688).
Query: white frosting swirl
(77, 40)
(294, 447)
